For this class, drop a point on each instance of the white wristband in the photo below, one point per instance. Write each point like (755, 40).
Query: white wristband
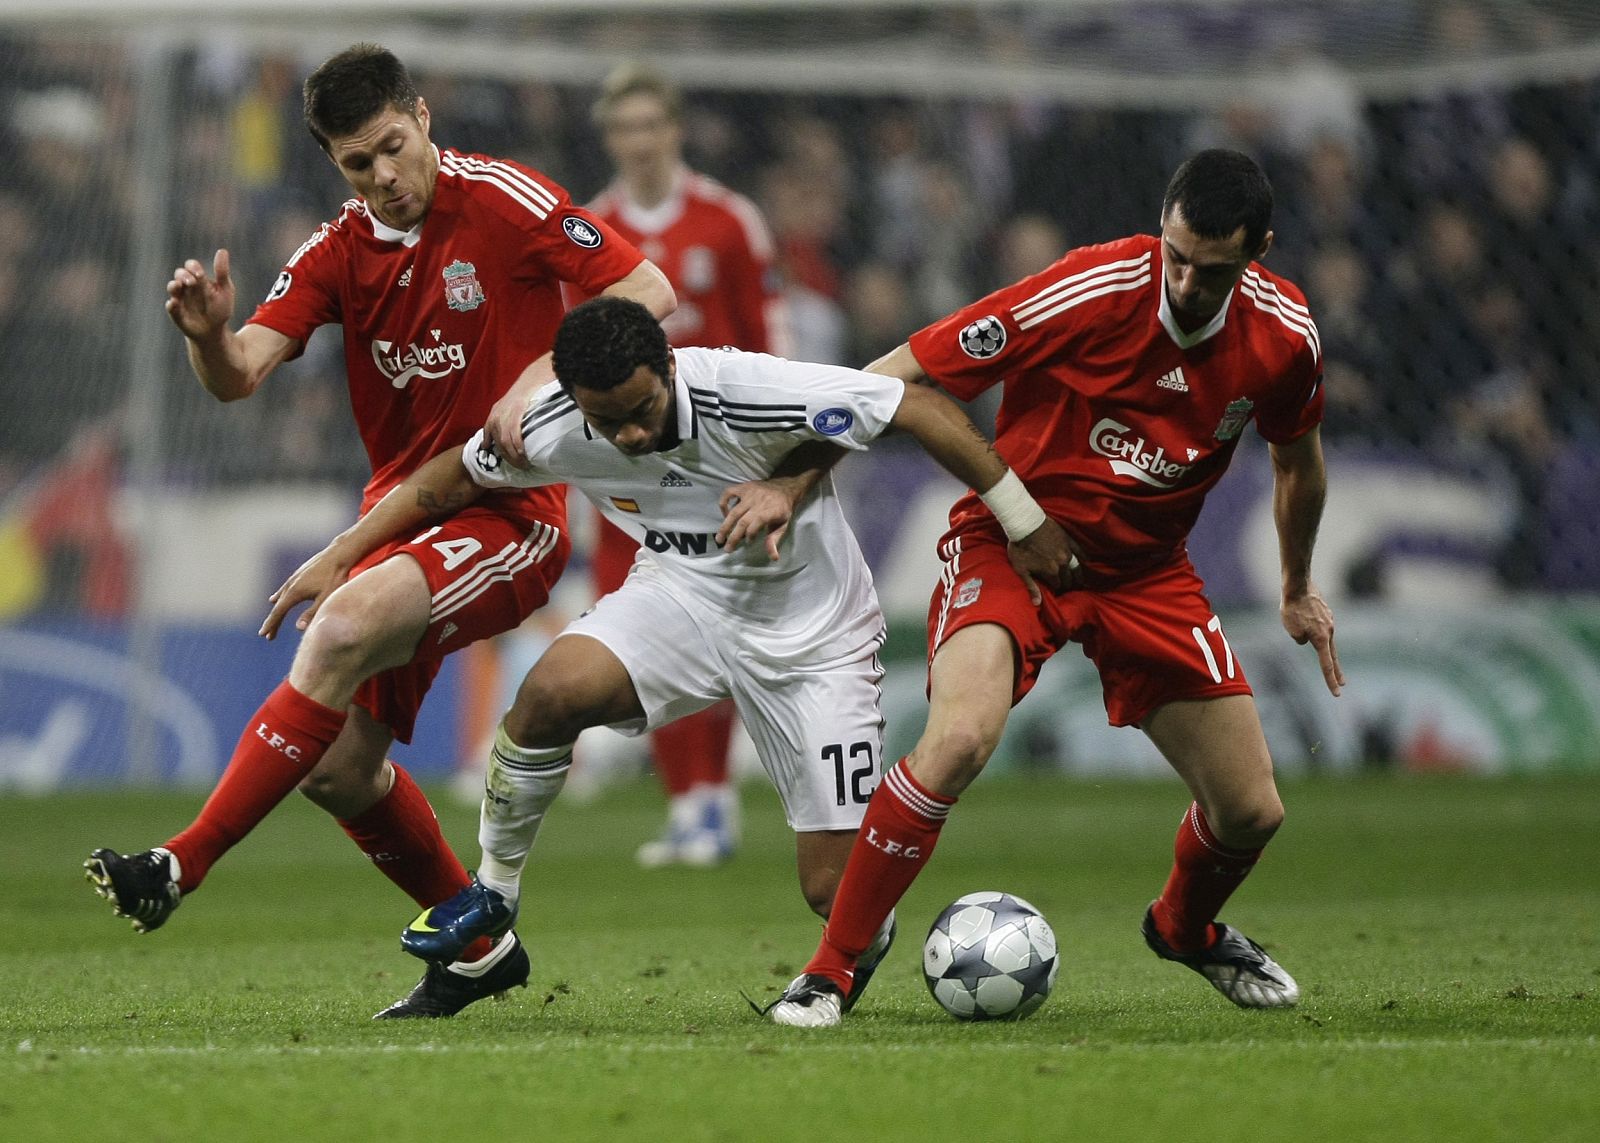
(1016, 509)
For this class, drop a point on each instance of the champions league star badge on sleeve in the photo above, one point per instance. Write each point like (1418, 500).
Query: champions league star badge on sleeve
(983, 338)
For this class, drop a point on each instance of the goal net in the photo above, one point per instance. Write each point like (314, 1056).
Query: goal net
(1437, 166)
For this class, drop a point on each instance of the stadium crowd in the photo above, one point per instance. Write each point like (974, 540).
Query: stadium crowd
(1441, 241)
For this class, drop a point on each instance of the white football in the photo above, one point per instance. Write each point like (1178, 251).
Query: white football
(990, 956)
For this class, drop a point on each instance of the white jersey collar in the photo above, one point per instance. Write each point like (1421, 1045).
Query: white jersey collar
(408, 238)
(688, 428)
(654, 219)
(1188, 340)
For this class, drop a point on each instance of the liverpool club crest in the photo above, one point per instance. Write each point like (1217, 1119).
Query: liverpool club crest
(967, 593)
(1233, 418)
(461, 288)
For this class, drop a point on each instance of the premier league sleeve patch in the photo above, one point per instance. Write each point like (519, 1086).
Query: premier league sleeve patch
(984, 338)
(832, 422)
(581, 232)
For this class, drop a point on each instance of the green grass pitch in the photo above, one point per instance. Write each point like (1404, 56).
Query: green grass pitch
(1446, 934)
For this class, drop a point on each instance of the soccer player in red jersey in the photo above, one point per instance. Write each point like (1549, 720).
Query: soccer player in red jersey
(1129, 371)
(444, 273)
(714, 247)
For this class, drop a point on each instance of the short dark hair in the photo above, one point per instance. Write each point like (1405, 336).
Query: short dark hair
(1219, 191)
(353, 86)
(604, 341)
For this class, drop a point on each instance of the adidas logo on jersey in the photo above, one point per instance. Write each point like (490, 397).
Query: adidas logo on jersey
(673, 480)
(405, 278)
(449, 630)
(1173, 381)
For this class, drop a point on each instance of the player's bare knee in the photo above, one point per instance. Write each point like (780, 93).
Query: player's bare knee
(543, 715)
(1247, 825)
(335, 644)
(954, 757)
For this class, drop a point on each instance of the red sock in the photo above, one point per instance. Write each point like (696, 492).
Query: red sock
(280, 746)
(897, 837)
(400, 832)
(1204, 875)
(694, 750)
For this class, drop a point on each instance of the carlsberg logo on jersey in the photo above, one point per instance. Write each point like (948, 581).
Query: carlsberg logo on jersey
(1130, 458)
(401, 363)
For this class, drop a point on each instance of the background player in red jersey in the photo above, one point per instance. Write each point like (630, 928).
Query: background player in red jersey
(1129, 371)
(714, 248)
(445, 274)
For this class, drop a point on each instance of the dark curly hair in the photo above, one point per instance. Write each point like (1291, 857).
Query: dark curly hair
(352, 87)
(1219, 191)
(602, 342)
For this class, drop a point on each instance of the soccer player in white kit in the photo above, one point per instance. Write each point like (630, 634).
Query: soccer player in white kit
(676, 447)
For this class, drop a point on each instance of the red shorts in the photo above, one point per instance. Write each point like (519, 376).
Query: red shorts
(1153, 639)
(486, 573)
(612, 557)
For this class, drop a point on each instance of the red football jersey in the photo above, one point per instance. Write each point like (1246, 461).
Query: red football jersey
(1118, 422)
(715, 249)
(439, 321)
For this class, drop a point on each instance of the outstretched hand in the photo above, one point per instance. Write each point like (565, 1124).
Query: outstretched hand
(1044, 556)
(201, 304)
(1308, 619)
(756, 508)
(314, 580)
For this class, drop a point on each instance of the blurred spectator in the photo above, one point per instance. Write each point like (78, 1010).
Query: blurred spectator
(1338, 289)
(74, 531)
(1506, 417)
(259, 126)
(1090, 170)
(62, 131)
(807, 220)
(1534, 242)
(942, 259)
(1441, 139)
(896, 175)
(1437, 346)
(1028, 243)
(61, 364)
(880, 312)
(1326, 201)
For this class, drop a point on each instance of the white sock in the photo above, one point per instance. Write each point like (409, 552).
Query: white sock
(518, 788)
(723, 797)
(683, 813)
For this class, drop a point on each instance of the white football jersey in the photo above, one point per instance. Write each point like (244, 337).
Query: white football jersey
(738, 415)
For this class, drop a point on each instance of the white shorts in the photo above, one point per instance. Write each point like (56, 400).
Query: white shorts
(817, 726)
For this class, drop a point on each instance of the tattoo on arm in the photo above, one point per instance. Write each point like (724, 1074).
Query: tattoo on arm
(440, 503)
(976, 434)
